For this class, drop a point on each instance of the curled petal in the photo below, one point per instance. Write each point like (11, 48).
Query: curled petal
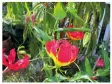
(20, 64)
(49, 45)
(4, 61)
(11, 56)
(25, 62)
(67, 54)
(63, 53)
(77, 35)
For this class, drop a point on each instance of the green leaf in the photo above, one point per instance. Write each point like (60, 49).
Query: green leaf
(86, 39)
(88, 68)
(57, 78)
(105, 56)
(72, 29)
(73, 11)
(80, 76)
(42, 34)
(59, 12)
(102, 72)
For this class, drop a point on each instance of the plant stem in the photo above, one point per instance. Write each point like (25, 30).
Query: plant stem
(77, 66)
(95, 64)
(5, 70)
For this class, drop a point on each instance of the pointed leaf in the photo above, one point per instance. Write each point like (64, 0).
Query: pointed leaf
(59, 12)
(88, 67)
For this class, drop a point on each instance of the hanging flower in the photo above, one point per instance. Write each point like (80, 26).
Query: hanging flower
(100, 62)
(62, 52)
(27, 18)
(10, 61)
(76, 35)
(33, 16)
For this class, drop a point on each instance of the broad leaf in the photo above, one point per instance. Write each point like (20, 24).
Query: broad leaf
(59, 12)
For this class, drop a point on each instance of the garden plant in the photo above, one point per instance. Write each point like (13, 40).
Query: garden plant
(55, 42)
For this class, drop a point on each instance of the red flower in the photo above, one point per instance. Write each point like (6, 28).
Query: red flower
(99, 62)
(62, 52)
(10, 61)
(76, 35)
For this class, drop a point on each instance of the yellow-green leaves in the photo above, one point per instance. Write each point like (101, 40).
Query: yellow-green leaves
(87, 37)
(59, 12)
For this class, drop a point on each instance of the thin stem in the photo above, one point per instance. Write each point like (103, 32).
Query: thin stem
(5, 70)
(95, 64)
(77, 66)
(38, 58)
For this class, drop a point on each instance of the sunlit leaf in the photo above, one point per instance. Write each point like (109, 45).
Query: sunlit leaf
(86, 39)
(59, 12)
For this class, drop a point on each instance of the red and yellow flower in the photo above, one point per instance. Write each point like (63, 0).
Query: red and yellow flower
(76, 35)
(62, 52)
(10, 61)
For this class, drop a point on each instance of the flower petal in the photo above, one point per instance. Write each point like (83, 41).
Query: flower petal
(77, 35)
(11, 56)
(25, 62)
(49, 45)
(67, 54)
(4, 61)
(21, 64)
(100, 62)
(63, 53)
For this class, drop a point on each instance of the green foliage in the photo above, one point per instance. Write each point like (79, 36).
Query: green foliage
(105, 55)
(72, 29)
(86, 18)
(42, 34)
(88, 67)
(86, 39)
(59, 12)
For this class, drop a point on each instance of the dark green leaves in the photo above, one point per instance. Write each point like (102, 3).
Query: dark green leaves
(88, 67)
(59, 12)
